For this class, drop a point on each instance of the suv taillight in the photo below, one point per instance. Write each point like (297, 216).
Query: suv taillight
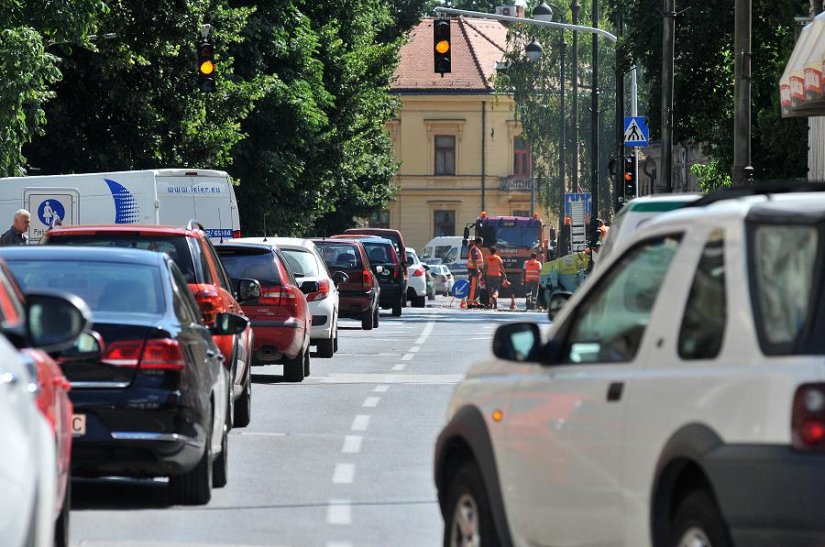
(209, 302)
(366, 280)
(808, 420)
(320, 294)
(156, 354)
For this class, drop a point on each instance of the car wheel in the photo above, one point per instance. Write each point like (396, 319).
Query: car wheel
(469, 521)
(243, 406)
(326, 347)
(220, 467)
(420, 302)
(335, 347)
(294, 368)
(698, 523)
(61, 525)
(306, 363)
(194, 487)
(367, 319)
(396, 309)
(375, 317)
(430, 296)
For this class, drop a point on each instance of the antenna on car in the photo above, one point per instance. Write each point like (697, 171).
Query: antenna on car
(264, 225)
(220, 225)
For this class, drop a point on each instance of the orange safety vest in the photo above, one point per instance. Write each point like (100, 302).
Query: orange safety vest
(495, 266)
(476, 261)
(532, 268)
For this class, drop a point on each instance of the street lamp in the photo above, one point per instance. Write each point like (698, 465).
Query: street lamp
(534, 51)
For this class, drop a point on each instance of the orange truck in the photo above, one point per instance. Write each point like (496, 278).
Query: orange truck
(515, 239)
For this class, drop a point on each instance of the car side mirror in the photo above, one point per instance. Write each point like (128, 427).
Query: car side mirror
(518, 342)
(426, 267)
(339, 277)
(55, 319)
(248, 289)
(89, 345)
(229, 323)
(308, 287)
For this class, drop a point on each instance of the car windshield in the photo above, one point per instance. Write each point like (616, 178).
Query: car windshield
(250, 263)
(339, 255)
(302, 263)
(177, 247)
(105, 286)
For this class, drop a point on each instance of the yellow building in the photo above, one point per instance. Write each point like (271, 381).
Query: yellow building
(458, 143)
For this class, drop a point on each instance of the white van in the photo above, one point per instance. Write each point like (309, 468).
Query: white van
(157, 196)
(448, 250)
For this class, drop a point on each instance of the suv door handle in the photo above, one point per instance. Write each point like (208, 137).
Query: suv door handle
(614, 391)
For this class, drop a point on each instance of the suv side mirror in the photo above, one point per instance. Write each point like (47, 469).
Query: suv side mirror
(248, 289)
(517, 342)
(339, 277)
(229, 323)
(308, 287)
(55, 319)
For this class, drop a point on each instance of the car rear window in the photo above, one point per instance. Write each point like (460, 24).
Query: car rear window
(302, 263)
(241, 263)
(339, 255)
(177, 247)
(105, 286)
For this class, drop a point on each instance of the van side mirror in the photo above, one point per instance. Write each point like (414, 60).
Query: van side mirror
(518, 342)
(248, 289)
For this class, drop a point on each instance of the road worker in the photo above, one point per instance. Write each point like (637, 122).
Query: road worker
(494, 275)
(531, 272)
(475, 266)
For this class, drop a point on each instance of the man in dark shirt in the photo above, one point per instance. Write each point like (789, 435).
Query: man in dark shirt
(17, 234)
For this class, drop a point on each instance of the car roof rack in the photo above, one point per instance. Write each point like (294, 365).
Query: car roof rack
(194, 223)
(765, 188)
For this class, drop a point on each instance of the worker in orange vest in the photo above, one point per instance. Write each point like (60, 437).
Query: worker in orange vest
(475, 266)
(495, 273)
(532, 269)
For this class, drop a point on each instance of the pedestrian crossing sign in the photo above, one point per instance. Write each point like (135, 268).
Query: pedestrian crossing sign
(636, 132)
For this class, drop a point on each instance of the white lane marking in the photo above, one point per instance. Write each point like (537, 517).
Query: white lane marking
(259, 434)
(352, 444)
(339, 512)
(415, 349)
(344, 473)
(428, 328)
(361, 422)
(371, 402)
(339, 544)
(399, 367)
(367, 378)
(407, 357)
(381, 389)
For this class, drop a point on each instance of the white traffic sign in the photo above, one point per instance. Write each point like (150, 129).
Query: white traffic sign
(636, 132)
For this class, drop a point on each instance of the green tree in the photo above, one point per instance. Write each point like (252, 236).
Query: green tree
(28, 70)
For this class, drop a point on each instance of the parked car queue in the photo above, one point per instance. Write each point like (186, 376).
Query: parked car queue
(99, 318)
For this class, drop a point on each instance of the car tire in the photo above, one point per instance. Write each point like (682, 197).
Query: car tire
(294, 368)
(420, 302)
(243, 406)
(367, 319)
(468, 511)
(326, 347)
(306, 363)
(698, 521)
(431, 296)
(396, 308)
(375, 318)
(194, 487)
(61, 525)
(220, 466)
(335, 347)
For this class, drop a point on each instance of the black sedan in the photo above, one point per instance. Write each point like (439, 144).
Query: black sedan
(153, 401)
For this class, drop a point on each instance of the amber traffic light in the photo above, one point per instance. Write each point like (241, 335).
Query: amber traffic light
(206, 66)
(441, 46)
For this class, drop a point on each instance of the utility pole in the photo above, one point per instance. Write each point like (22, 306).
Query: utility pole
(668, 52)
(563, 135)
(742, 92)
(594, 147)
(574, 111)
(618, 183)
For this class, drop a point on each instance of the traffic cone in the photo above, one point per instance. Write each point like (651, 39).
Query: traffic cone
(463, 304)
(512, 302)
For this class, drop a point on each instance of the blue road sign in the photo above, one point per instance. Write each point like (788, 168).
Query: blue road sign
(461, 288)
(636, 132)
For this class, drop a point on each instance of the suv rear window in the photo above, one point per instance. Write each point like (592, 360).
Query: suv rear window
(177, 247)
(250, 263)
(380, 253)
(339, 255)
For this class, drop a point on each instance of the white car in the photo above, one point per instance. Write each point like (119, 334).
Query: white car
(443, 279)
(416, 280)
(679, 401)
(28, 466)
(306, 264)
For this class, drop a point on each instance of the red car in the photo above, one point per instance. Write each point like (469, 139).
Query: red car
(195, 255)
(280, 317)
(358, 297)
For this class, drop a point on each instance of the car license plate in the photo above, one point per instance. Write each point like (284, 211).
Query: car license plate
(78, 425)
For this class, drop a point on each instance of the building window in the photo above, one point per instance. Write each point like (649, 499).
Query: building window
(522, 165)
(445, 155)
(443, 223)
(521, 213)
(380, 219)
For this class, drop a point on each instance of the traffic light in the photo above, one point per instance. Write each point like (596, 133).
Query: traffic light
(441, 46)
(629, 178)
(206, 66)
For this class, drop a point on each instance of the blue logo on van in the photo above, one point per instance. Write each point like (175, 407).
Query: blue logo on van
(126, 206)
(50, 211)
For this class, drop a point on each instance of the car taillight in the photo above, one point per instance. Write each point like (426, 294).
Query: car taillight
(123, 353)
(276, 296)
(209, 302)
(322, 293)
(236, 233)
(395, 271)
(418, 272)
(162, 354)
(366, 280)
(808, 420)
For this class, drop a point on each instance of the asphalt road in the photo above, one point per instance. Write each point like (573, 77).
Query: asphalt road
(342, 459)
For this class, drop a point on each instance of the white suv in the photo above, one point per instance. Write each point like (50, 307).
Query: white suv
(416, 279)
(680, 399)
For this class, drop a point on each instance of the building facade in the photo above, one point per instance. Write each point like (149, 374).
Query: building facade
(458, 143)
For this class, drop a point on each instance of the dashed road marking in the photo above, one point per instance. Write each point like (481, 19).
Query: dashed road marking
(415, 349)
(344, 473)
(339, 512)
(407, 357)
(428, 328)
(371, 378)
(399, 367)
(371, 402)
(381, 389)
(339, 544)
(352, 444)
(361, 422)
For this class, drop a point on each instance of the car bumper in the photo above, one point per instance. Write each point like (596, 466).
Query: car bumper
(770, 495)
(276, 339)
(418, 284)
(322, 313)
(391, 295)
(353, 304)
